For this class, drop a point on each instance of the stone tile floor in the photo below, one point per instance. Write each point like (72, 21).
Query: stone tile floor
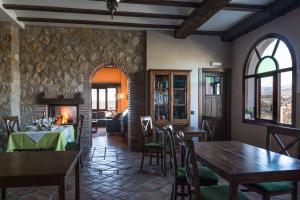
(111, 172)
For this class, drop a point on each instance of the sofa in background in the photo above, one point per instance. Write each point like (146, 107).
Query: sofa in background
(118, 124)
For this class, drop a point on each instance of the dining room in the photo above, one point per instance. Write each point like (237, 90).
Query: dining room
(199, 99)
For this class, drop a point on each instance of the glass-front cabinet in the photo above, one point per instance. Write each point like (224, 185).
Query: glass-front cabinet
(170, 96)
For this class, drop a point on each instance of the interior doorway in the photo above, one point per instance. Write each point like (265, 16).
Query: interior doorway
(214, 101)
(109, 107)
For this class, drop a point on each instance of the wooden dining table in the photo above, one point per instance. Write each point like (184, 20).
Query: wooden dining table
(22, 169)
(241, 163)
(190, 131)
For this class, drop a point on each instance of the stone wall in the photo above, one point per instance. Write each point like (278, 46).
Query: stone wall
(9, 71)
(59, 60)
(5, 76)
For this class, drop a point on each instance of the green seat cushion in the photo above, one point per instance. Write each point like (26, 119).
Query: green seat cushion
(275, 186)
(154, 145)
(205, 175)
(219, 192)
(72, 146)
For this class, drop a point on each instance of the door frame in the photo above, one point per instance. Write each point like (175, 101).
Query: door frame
(227, 97)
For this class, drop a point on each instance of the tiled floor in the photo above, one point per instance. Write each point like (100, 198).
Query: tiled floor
(111, 172)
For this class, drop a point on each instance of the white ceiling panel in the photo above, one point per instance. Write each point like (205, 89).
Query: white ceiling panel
(224, 20)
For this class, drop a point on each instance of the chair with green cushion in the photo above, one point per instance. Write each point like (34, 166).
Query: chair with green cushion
(269, 189)
(213, 192)
(76, 145)
(207, 176)
(179, 177)
(151, 146)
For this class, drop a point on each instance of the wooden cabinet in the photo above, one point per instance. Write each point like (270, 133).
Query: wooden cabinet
(170, 97)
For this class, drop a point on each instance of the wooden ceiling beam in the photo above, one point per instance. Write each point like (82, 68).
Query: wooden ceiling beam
(103, 23)
(190, 4)
(232, 7)
(244, 7)
(93, 22)
(162, 3)
(211, 33)
(91, 11)
(273, 11)
(199, 16)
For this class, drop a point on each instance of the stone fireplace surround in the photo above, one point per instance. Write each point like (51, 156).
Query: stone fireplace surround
(62, 60)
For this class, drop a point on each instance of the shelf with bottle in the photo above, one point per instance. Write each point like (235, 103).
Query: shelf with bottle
(161, 83)
(179, 104)
(179, 88)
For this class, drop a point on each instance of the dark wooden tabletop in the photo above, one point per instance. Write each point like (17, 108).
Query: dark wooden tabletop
(50, 163)
(188, 129)
(236, 159)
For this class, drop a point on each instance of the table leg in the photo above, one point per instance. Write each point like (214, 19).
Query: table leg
(77, 181)
(233, 188)
(3, 193)
(62, 188)
(164, 159)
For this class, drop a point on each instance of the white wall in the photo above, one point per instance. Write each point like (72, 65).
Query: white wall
(288, 26)
(166, 52)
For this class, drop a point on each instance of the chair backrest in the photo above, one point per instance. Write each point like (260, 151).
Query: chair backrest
(171, 141)
(277, 131)
(79, 131)
(12, 124)
(209, 125)
(190, 163)
(147, 128)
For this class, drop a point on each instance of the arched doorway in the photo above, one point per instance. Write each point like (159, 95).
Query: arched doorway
(109, 107)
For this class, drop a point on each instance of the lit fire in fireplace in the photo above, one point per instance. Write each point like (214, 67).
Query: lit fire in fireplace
(65, 116)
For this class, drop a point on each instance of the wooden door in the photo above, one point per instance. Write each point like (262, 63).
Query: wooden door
(215, 101)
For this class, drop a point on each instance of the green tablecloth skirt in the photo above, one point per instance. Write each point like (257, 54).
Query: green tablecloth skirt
(57, 140)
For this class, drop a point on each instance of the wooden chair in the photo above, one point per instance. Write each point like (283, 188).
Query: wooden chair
(179, 178)
(151, 146)
(209, 126)
(12, 124)
(267, 190)
(76, 145)
(214, 192)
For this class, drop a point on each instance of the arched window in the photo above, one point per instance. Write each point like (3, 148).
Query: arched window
(269, 82)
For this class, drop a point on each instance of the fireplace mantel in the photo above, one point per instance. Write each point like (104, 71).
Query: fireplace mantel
(76, 100)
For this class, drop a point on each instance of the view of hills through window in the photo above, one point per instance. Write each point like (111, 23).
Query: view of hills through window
(266, 63)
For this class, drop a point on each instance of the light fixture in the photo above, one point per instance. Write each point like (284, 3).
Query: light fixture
(120, 95)
(112, 6)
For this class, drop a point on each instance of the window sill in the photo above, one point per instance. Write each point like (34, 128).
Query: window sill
(266, 123)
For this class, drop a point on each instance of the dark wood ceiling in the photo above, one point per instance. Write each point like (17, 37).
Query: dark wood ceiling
(229, 19)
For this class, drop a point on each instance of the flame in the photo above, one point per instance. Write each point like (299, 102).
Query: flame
(66, 115)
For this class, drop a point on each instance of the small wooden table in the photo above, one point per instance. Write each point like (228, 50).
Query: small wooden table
(21, 169)
(241, 163)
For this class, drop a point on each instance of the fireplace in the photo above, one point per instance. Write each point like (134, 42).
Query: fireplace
(64, 114)
(65, 110)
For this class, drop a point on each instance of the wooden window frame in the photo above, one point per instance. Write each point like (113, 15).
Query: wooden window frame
(276, 84)
(105, 86)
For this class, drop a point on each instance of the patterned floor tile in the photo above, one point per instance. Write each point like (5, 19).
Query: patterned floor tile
(111, 172)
